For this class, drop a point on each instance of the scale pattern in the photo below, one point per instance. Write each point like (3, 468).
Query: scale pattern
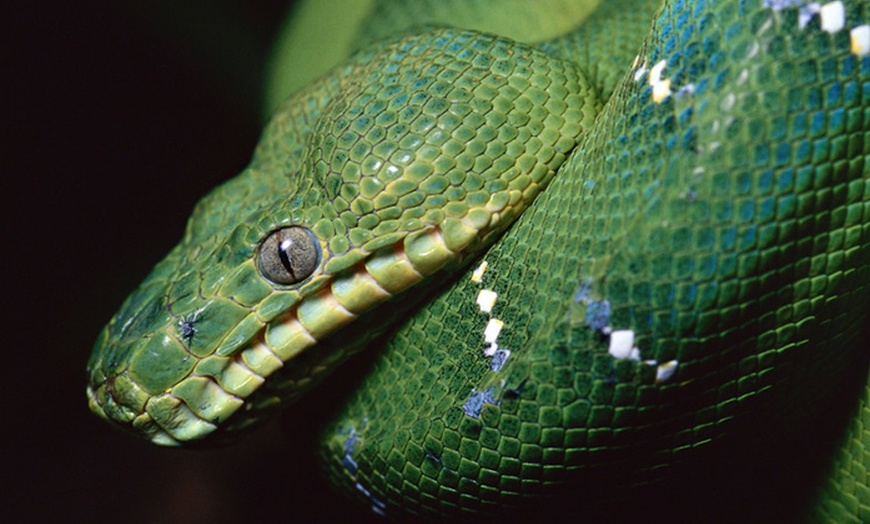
(406, 161)
(527, 22)
(724, 226)
(603, 53)
(689, 292)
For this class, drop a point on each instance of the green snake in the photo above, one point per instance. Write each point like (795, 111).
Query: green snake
(583, 260)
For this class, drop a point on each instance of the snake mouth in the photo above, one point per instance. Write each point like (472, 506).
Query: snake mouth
(94, 405)
(108, 403)
(294, 350)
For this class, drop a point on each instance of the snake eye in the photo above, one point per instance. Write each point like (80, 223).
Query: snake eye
(288, 255)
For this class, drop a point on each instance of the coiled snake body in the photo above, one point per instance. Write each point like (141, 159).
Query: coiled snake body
(622, 247)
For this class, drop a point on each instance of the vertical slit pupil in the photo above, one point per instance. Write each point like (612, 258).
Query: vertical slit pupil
(284, 255)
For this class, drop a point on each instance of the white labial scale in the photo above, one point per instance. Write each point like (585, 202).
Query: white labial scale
(146, 424)
(239, 380)
(392, 271)
(322, 314)
(287, 338)
(428, 252)
(206, 398)
(178, 420)
(260, 359)
(358, 292)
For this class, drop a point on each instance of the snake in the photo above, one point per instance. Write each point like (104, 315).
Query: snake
(583, 248)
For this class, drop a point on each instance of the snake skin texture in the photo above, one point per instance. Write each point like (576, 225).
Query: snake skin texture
(687, 292)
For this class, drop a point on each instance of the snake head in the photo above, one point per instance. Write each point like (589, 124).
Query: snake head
(401, 164)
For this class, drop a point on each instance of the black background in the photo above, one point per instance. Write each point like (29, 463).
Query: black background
(116, 118)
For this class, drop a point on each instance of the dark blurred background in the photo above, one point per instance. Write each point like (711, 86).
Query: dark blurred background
(116, 118)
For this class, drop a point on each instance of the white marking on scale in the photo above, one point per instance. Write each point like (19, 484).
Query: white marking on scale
(661, 88)
(638, 74)
(713, 146)
(655, 74)
(499, 358)
(743, 76)
(686, 90)
(665, 371)
(621, 344)
(833, 16)
(477, 275)
(493, 328)
(661, 91)
(486, 300)
(776, 5)
(860, 39)
(807, 13)
(808, 10)
(754, 48)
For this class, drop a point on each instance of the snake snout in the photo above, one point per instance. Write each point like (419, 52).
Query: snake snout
(136, 360)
